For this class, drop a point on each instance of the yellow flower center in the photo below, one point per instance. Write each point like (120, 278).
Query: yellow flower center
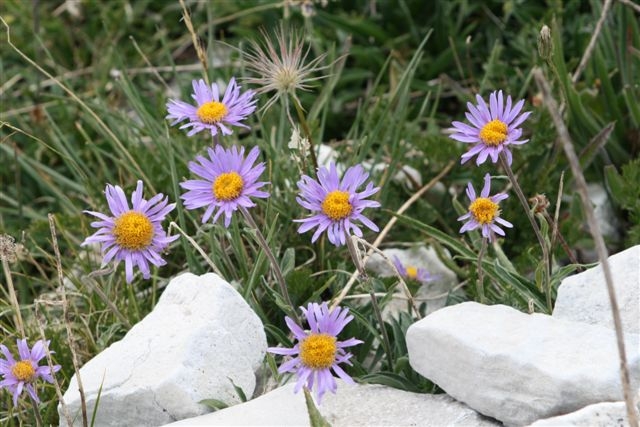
(23, 371)
(412, 272)
(336, 205)
(318, 351)
(212, 112)
(484, 210)
(228, 186)
(133, 231)
(494, 133)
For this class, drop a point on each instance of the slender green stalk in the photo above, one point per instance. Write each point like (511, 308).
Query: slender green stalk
(36, 412)
(67, 318)
(274, 262)
(307, 132)
(95, 287)
(13, 297)
(534, 225)
(363, 277)
(480, 284)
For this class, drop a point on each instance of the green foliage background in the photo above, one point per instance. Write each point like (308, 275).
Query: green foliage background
(410, 68)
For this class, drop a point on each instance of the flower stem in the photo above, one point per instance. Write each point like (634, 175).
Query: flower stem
(95, 287)
(13, 297)
(363, 277)
(534, 225)
(36, 412)
(274, 263)
(307, 132)
(480, 284)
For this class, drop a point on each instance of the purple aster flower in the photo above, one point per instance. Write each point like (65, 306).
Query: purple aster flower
(211, 113)
(493, 128)
(229, 181)
(413, 273)
(484, 211)
(133, 235)
(22, 374)
(318, 351)
(336, 203)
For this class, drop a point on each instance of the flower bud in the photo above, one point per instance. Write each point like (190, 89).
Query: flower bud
(545, 43)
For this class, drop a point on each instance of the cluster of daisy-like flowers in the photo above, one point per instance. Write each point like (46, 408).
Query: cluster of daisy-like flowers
(229, 180)
(492, 129)
(22, 374)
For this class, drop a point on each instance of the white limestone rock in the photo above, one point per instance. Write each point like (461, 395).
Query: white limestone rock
(434, 293)
(352, 405)
(517, 367)
(200, 336)
(605, 414)
(584, 297)
(603, 211)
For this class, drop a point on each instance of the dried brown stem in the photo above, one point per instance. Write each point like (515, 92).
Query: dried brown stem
(581, 184)
(66, 317)
(592, 43)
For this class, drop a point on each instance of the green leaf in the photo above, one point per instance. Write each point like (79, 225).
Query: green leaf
(315, 417)
(214, 404)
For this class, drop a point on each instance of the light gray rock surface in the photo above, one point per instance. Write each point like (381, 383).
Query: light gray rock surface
(584, 298)
(603, 211)
(352, 405)
(434, 293)
(516, 367)
(200, 336)
(605, 414)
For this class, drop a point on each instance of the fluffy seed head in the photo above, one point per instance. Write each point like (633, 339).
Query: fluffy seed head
(279, 64)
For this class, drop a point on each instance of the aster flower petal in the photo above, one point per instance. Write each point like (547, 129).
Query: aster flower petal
(335, 203)
(484, 211)
(492, 129)
(229, 181)
(210, 113)
(313, 367)
(133, 235)
(24, 373)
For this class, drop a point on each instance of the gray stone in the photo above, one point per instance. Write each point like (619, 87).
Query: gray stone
(603, 211)
(200, 336)
(584, 297)
(517, 367)
(352, 405)
(606, 414)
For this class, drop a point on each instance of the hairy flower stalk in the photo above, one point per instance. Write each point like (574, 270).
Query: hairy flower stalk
(272, 260)
(536, 229)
